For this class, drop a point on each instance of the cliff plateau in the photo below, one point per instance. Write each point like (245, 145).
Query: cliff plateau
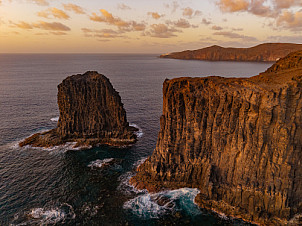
(238, 140)
(91, 113)
(261, 53)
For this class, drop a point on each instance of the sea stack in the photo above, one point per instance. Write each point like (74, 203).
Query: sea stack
(238, 140)
(91, 113)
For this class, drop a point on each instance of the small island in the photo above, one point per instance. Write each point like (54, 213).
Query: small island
(91, 113)
(267, 52)
(238, 140)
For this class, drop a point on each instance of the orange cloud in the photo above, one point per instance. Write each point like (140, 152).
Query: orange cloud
(55, 12)
(23, 25)
(40, 2)
(55, 26)
(75, 8)
(155, 15)
(285, 4)
(189, 12)
(118, 22)
(109, 19)
(233, 5)
(290, 20)
(216, 28)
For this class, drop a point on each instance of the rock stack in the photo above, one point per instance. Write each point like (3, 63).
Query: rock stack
(91, 113)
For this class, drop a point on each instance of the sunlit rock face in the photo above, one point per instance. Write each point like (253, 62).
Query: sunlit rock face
(238, 140)
(260, 53)
(91, 112)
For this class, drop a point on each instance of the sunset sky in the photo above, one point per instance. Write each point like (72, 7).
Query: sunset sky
(144, 26)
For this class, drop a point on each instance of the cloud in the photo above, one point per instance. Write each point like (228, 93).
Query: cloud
(290, 20)
(155, 15)
(122, 6)
(40, 2)
(109, 19)
(189, 12)
(285, 4)
(103, 33)
(217, 28)
(55, 12)
(233, 5)
(286, 39)
(173, 6)
(58, 33)
(138, 26)
(54, 26)
(161, 31)
(116, 21)
(205, 21)
(75, 8)
(234, 35)
(182, 23)
(23, 25)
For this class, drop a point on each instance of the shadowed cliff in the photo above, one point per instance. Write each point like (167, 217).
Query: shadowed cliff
(91, 113)
(239, 140)
(261, 53)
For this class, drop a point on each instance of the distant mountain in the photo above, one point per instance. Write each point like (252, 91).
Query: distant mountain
(260, 53)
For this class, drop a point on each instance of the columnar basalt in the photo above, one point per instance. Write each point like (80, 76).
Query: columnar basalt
(239, 140)
(91, 112)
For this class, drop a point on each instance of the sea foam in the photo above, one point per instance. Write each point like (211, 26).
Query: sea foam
(55, 119)
(149, 206)
(138, 133)
(99, 163)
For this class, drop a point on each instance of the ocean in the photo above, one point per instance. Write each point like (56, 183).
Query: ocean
(66, 186)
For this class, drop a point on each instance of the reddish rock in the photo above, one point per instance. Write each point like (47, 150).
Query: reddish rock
(261, 53)
(91, 113)
(238, 140)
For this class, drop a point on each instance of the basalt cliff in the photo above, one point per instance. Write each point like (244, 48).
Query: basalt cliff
(238, 140)
(260, 53)
(91, 113)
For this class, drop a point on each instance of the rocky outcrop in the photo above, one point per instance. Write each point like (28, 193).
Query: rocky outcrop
(238, 140)
(91, 112)
(261, 53)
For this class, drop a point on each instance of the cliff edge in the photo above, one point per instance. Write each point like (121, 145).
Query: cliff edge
(91, 113)
(238, 140)
(261, 53)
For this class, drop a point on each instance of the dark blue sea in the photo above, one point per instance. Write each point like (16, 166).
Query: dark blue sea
(66, 186)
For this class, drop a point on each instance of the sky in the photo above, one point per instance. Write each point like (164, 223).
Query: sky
(144, 26)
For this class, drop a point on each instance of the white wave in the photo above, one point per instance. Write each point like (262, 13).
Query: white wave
(139, 162)
(138, 133)
(126, 187)
(52, 215)
(55, 119)
(155, 205)
(99, 163)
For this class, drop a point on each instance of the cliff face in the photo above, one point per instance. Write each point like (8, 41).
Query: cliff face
(91, 112)
(264, 52)
(238, 140)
